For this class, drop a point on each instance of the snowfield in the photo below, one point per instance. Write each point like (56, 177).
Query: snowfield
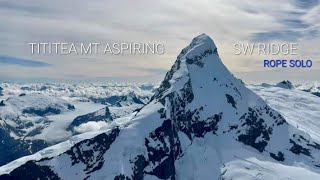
(299, 108)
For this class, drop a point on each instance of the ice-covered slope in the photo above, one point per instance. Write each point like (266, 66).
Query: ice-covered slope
(198, 125)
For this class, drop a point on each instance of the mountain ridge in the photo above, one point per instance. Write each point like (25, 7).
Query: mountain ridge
(200, 119)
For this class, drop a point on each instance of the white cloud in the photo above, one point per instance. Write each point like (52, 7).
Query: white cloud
(90, 126)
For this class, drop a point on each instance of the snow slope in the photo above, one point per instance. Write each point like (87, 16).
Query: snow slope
(300, 109)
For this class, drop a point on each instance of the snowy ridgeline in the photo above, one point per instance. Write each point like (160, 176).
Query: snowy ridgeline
(190, 127)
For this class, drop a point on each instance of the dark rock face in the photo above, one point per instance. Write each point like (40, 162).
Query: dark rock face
(25, 88)
(1, 89)
(285, 85)
(163, 148)
(231, 100)
(22, 94)
(31, 171)
(316, 93)
(198, 59)
(138, 170)
(129, 97)
(301, 145)
(42, 112)
(91, 157)
(121, 177)
(2, 103)
(106, 101)
(298, 149)
(46, 111)
(13, 149)
(256, 127)
(95, 148)
(116, 100)
(278, 157)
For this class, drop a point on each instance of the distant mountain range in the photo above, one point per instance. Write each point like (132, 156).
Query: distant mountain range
(24, 118)
(16, 127)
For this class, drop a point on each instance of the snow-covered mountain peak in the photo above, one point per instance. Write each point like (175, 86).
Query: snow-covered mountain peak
(203, 41)
(285, 84)
(198, 125)
(198, 76)
(199, 61)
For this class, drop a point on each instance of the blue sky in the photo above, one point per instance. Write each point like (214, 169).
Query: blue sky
(173, 23)
(7, 60)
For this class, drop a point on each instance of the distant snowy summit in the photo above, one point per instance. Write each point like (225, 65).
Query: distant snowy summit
(285, 84)
(119, 100)
(201, 123)
(1, 89)
(313, 88)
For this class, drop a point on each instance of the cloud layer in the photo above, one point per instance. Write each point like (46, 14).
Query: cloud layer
(173, 23)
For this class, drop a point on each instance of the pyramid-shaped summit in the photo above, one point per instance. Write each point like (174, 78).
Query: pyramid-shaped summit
(202, 123)
(199, 58)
